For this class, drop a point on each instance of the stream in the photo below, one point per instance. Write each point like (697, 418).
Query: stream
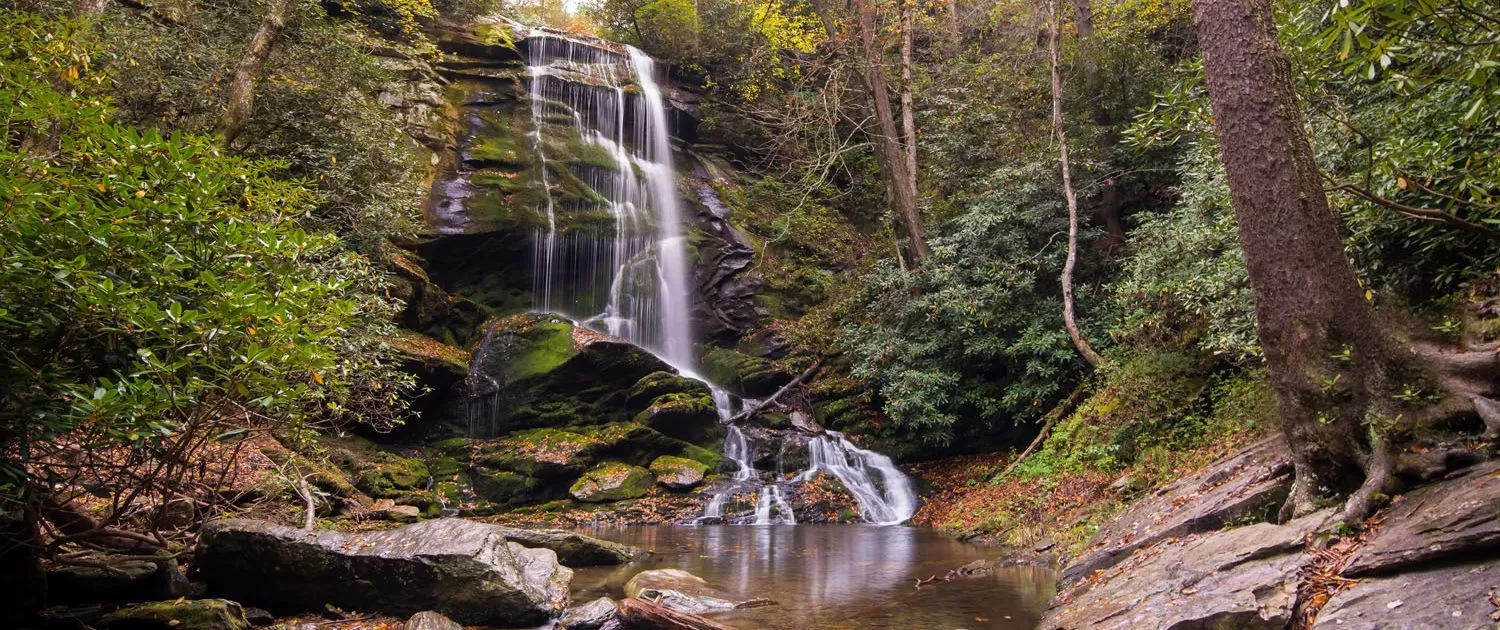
(832, 576)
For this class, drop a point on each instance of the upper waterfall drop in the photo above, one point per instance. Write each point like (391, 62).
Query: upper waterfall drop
(632, 282)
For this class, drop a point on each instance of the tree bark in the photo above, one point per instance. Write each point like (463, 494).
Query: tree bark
(1070, 320)
(1326, 356)
(908, 113)
(888, 150)
(241, 101)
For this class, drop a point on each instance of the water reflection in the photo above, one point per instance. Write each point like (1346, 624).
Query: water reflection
(834, 576)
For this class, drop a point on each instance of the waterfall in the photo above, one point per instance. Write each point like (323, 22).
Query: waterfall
(885, 497)
(630, 280)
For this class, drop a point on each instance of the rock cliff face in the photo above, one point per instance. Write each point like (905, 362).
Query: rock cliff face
(1178, 560)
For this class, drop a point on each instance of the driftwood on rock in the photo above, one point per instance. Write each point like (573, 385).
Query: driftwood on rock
(639, 613)
(751, 410)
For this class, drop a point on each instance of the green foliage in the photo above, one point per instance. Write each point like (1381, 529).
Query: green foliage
(975, 335)
(1184, 281)
(316, 108)
(149, 282)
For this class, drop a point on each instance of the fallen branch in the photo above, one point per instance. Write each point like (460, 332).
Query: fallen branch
(754, 409)
(1423, 214)
(639, 613)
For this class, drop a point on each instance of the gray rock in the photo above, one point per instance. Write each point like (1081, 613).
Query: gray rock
(1255, 480)
(1237, 578)
(133, 581)
(466, 570)
(679, 590)
(1447, 597)
(1456, 518)
(198, 614)
(431, 620)
(590, 616)
(574, 549)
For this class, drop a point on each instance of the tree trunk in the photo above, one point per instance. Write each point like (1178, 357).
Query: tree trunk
(888, 151)
(908, 113)
(1326, 356)
(241, 100)
(1070, 320)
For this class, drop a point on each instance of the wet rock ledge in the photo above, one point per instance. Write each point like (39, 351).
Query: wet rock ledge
(1199, 554)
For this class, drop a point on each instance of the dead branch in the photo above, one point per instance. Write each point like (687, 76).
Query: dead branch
(751, 410)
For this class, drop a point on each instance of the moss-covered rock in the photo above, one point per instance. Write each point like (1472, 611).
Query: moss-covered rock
(752, 377)
(506, 488)
(612, 481)
(677, 473)
(684, 416)
(389, 476)
(196, 614)
(657, 384)
(541, 453)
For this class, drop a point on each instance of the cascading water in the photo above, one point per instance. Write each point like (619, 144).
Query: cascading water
(890, 500)
(631, 281)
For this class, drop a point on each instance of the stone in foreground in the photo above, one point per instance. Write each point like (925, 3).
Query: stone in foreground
(198, 614)
(429, 620)
(1447, 597)
(1238, 578)
(463, 569)
(1455, 519)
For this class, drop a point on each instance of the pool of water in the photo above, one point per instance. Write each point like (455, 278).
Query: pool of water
(833, 576)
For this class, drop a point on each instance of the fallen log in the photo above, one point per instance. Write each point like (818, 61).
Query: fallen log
(639, 613)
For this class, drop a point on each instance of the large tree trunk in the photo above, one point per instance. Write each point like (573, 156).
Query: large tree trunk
(241, 100)
(887, 139)
(1326, 355)
(1070, 320)
(908, 112)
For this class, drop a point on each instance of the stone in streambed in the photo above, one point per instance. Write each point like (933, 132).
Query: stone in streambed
(590, 616)
(197, 614)
(132, 581)
(678, 473)
(680, 591)
(466, 570)
(612, 481)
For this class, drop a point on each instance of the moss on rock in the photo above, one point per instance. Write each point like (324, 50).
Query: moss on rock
(612, 481)
(196, 614)
(677, 473)
(657, 384)
(687, 417)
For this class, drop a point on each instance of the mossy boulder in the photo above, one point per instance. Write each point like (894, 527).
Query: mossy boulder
(677, 473)
(196, 614)
(390, 476)
(506, 488)
(683, 416)
(752, 377)
(657, 384)
(612, 481)
(542, 453)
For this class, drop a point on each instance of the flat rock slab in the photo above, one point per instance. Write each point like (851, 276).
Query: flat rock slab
(1445, 597)
(1255, 479)
(1452, 519)
(1238, 578)
(463, 569)
(574, 549)
(679, 590)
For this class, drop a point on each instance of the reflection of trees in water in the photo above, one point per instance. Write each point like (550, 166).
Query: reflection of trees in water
(843, 575)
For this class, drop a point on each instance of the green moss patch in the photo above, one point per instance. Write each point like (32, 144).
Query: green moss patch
(612, 481)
